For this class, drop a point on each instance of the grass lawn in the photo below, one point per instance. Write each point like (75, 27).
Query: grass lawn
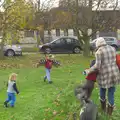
(39, 100)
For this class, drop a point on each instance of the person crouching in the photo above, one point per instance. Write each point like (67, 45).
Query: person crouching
(84, 92)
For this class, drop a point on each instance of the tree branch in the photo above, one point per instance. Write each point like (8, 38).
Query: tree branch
(116, 5)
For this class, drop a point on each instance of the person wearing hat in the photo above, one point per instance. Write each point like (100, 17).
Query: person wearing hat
(48, 62)
(108, 76)
(11, 90)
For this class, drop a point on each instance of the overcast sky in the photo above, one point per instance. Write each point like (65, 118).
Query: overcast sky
(46, 1)
(56, 3)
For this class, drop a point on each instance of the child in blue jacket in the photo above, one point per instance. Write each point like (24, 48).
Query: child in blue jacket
(11, 90)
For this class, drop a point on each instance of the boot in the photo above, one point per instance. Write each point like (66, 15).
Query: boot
(6, 104)
(45, 78)
(50, 82)
(12, 106)
(110, 109)
(103, 105)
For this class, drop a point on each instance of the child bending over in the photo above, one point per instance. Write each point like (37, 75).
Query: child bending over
(84, 92)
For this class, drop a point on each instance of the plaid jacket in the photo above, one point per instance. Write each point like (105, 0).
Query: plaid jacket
(109, 74)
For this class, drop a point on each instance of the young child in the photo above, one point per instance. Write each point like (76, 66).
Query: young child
(85, 91)
(48, 62)
(11, 90)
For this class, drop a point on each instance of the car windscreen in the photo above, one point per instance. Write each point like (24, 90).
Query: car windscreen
(56, 42)
(109, 39)
(53, 41)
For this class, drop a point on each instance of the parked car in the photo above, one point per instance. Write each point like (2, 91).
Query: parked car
(11, 50)
(109, 40)
(62, 45)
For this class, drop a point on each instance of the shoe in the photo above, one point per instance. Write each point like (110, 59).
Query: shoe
(45, 79)
(12, 106)
(110, 109)
(5, 104)
(50, 82)
(103, 105)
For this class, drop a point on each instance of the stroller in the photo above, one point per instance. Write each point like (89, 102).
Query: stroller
(89, 110)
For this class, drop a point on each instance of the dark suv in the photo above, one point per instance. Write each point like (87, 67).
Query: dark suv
(62, 45)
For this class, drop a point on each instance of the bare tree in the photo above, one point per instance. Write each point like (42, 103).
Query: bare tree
(42, 8)
(87, 19)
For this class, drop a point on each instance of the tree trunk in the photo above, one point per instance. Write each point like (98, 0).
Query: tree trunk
(86, 48)
(42, 36)
(1, 51)
(38, 38)
(2, 46)
(78, 36)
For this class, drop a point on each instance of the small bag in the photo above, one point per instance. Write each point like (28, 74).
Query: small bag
(118, 60)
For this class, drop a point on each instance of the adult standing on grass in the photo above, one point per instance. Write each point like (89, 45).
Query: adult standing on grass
(108, 76)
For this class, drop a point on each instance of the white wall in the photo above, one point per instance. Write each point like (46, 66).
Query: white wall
(53, 34)
(27, 40)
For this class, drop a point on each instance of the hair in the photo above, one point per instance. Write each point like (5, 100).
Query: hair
(12, 75)
(50, 55)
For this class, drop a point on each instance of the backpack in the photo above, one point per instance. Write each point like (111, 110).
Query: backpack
(118, 60)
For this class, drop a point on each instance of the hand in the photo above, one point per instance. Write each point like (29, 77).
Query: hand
(84, 73)
(60, 65)
(87, 71)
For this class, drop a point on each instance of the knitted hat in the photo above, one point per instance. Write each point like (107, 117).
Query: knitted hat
(100, 41)
(51, 56)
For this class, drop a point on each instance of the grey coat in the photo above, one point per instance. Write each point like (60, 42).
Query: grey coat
(109, 74)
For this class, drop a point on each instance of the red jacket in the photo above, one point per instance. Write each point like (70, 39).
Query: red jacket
(92, 76)
(48, 64)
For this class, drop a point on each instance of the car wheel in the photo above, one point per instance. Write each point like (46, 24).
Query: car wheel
(76, 50)
(10, 53)
(47, 50)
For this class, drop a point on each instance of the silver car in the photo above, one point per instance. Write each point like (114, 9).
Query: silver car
(109, 40)
(12, 50)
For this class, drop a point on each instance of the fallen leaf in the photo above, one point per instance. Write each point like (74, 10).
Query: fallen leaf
(54, 112)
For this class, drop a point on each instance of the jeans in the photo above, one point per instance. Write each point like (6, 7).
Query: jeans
(11, 98)
(111, 92)
(47, 75)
